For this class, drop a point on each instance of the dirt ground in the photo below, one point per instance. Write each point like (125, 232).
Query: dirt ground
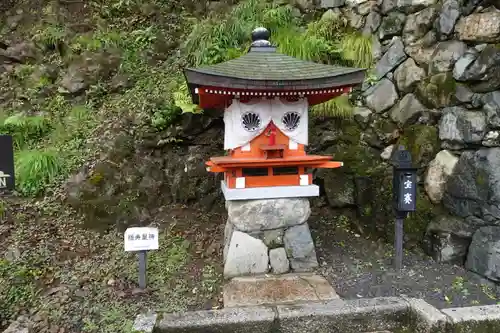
(68, 279)
(358, 267)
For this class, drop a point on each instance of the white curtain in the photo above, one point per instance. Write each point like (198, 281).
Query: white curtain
(239, 132)
(281, 108)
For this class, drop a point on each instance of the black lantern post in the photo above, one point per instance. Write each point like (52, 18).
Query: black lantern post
(404, 195)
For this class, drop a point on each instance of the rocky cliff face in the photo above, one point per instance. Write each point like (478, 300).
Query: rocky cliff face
(437, 91)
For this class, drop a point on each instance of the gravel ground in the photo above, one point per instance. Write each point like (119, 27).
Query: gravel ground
(358, 267)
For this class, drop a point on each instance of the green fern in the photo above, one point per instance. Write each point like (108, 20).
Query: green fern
(183, 100)
(50, 36)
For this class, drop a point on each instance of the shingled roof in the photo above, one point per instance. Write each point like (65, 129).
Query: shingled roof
(263, 68)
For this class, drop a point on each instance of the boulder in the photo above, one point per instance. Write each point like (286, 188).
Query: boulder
(480, 27)
(273, 238)
(387, 153)
(421, 54)
(259, 215)
(484, 253)
(246, 255)
(407, 110)
(440, 168)
(381, 96)
(482, 67)
(299, 247)
(22, 325)
(492, 108)
(462, 127)
(407, 6)
(372, 23)
(437, 91)
(87, 70)
(422, 141)
(362, 116)
(338, 187)
(392, 25)
(394, 56)
(447, 239)
(419, 24)
(331, 3)
(355, 20)
(407, 75)
(21, 52)
(279, 261)
(450, 12)
(228, 234)
(473, 189)
(446, 55)
(492, 139)
(377, 49)
(386, 131)
(366, 7)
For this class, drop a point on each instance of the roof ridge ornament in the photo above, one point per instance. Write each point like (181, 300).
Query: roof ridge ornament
(260, 37)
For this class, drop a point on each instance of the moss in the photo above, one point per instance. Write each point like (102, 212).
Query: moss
(438, 90)
(96, 179)
(358, 158)
(481, 177)
(422, 141)
(416, 222)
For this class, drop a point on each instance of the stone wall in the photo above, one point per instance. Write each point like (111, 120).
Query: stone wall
(268, 233)
(437, 91)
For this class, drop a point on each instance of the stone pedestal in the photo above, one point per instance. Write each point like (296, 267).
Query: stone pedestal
(269, 235)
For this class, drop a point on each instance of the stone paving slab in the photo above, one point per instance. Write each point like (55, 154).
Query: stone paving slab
(280, 289)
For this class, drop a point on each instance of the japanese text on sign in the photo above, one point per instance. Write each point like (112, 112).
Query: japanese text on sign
(407, 193)
(141, 239)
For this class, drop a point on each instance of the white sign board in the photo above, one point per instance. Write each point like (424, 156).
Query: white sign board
(141, 239)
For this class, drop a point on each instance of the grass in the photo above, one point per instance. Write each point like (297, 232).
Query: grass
(36, 169)
(83, 280)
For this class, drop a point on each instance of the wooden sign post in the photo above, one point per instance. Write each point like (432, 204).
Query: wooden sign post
(141, 240)
(405, 197)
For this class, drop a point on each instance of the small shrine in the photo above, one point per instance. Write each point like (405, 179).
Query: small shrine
(266, 96)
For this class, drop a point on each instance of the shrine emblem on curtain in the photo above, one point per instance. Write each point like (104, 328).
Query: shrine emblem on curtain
(245, 121)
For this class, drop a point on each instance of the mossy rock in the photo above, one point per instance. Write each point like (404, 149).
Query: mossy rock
(358, 157)
(416, 223)
(437, 91)
(422, 141)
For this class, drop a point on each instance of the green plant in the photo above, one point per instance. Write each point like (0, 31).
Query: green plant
(37, 169)
(357, 49)
(182, 99)
(3, 209)
(210, 39)
(327, 40)
(50, 36)
(25, 130)
(339, 107)
(17, 287)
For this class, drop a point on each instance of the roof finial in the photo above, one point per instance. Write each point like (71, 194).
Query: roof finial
(260, 37)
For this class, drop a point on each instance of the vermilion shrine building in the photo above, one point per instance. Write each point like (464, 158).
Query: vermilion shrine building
(265, 96)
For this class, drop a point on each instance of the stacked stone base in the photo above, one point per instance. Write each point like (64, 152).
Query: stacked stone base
(272, 235)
